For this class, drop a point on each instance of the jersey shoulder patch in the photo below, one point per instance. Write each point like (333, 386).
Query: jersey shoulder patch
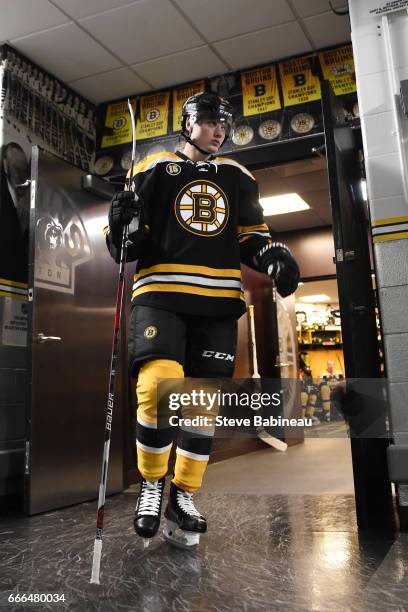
(151, 161)
(227, 161)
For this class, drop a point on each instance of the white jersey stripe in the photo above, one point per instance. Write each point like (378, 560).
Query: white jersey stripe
(11, 289)
(267, 234)
(187, 278)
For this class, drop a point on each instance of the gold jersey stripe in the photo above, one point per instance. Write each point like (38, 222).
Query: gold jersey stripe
(391, 236)
(188, 269)
(10, 283)
(155, 157)
(252, 228)
(189, 289)
(231, 162)
(106, 231)
(389, 221)
(15, 296)
(243, 238)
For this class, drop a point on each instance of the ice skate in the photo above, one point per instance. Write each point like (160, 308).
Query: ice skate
(148, 509)
(184, 523)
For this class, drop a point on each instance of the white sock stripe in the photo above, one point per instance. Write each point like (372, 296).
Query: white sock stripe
(152, 449)
(196, 456)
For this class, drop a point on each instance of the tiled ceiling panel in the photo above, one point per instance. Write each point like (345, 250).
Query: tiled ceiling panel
(308, 178)
(327, 29)
(263, 46)
(21, 17)
(143, 31)
(83, 8)
(217, 19)
(166, 41)
(67, 52)
(183, 66)
(294, 221)
(305, 8)
(110, 85)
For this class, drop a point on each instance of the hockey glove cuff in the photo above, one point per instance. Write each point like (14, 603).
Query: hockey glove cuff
(278, 263)
(125, 206)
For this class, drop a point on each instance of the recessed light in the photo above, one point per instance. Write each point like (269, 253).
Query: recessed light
(283, 204)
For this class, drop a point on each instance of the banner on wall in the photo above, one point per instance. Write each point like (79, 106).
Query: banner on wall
(118, 126)
(154, 115)
(299, 84)
(260, 92)
(338, 68)
(180, 95)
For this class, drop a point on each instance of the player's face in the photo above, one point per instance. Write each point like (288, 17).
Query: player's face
(209, 134)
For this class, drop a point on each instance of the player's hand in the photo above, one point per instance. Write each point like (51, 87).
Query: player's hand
(280, 265)
(124, 207)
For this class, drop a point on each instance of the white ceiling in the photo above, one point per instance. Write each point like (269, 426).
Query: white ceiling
(106, 49)
(328, 287)
(309, 179)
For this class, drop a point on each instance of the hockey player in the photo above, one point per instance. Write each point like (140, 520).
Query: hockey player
(200, 218)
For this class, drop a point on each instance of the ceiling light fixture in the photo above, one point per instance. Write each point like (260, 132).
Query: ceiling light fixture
(312, 299)
(283, 204)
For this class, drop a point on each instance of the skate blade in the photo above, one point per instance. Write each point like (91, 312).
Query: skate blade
(187, 540)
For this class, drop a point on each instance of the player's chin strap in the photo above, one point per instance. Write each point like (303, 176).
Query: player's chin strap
(202, 151)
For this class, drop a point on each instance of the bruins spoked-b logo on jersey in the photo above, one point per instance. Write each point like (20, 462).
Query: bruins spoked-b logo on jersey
(201, 208)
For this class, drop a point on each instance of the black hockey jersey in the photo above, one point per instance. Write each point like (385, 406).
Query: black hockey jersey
(201, 220)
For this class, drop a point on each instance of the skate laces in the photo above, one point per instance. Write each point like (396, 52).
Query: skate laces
(150, 497)
(185, 502)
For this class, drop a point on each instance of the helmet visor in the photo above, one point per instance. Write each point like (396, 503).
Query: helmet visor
(220, 115)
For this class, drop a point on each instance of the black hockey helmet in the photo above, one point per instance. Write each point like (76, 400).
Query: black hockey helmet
(206, 105)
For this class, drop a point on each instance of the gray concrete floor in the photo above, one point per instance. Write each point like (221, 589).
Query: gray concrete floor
(319, 466)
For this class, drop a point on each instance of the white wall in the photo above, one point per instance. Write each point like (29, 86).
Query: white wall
(385, 130)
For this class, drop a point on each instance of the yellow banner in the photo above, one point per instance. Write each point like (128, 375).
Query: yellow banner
(180, 95)
(299, 85)
(118, 126)
(260, 91)
(338, 68)
(154, 115)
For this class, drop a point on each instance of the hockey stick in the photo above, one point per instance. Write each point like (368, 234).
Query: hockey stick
(261, 432)
(97, 553)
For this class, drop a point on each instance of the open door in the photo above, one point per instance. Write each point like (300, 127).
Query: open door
(72, 290)
(357, 307)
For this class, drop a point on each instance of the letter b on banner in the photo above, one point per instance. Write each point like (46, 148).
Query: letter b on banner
(299, 79)
(259, 90)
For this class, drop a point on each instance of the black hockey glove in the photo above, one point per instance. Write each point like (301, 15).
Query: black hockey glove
(124, 207)
(277, 261)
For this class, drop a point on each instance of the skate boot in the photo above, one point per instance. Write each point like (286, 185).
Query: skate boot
(184, 522)
(148, 509)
